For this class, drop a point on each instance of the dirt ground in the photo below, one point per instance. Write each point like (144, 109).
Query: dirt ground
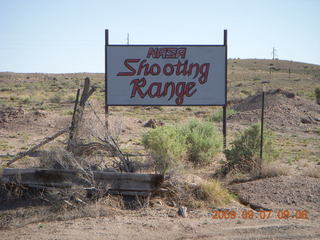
(162, 223)
(285, 206)
(159, 221)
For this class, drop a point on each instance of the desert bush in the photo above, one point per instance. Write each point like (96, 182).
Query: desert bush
(317, 93)
(25, 100)
(246, 92)
(57, 98)
(273, 170)
(196, 141)
(194, 192)
(244, 154)
(218, 115)
(203, 141)
(167, 146)
(213, 193)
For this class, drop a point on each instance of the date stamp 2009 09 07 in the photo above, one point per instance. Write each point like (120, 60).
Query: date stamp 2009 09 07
(263, 214)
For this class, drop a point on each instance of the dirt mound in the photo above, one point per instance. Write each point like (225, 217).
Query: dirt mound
(285, 192)
(272, 98)
(12, 117)
(282, 108)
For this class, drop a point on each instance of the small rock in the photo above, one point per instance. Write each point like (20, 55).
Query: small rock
(38, 113)
(152, 123)
(182, 211)
(305, 121)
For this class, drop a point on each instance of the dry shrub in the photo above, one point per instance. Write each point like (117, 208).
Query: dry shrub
(113, 201)
(179, 192)
(267, 170)
(93, 124)
(59, 158)
(273, 170)
(193, 192)
(312, 172)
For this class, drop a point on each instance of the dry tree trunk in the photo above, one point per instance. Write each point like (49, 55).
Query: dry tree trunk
(107, 144)
(78, 115)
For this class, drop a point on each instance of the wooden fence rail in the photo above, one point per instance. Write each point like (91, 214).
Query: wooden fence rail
(119, 183)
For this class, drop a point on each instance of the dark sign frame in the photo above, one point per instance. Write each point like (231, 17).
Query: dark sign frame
(190, 45)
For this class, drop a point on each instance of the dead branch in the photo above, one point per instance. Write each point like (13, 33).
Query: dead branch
(74, 114)
(43, 142)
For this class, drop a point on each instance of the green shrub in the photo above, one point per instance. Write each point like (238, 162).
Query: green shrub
(167, 146)
(317, 93)
(203, 141)
(245, 152)
(218, 115)
(56, 98)
(25, 100)
(197, 142)
(246, 92)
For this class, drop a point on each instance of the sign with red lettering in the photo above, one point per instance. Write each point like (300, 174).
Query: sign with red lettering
(166, 75)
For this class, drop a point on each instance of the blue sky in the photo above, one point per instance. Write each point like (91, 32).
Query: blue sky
(61, 36)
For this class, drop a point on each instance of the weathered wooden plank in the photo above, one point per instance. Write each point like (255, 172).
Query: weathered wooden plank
(69, 172)
(68, 178)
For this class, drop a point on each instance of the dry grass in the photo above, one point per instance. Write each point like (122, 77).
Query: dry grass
(268, 170)
(273, 170)
(213, 193)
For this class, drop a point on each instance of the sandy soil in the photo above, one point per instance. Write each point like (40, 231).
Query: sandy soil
(165, 224)
(267, 200)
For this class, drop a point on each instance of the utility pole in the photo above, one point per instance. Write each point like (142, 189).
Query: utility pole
(289, 70)
(289, 73)
(273, 53)
(127, 38)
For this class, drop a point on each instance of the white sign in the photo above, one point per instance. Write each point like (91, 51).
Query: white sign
(166, 75)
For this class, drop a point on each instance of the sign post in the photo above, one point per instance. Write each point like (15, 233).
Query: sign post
(106, 78)
(224, 128)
